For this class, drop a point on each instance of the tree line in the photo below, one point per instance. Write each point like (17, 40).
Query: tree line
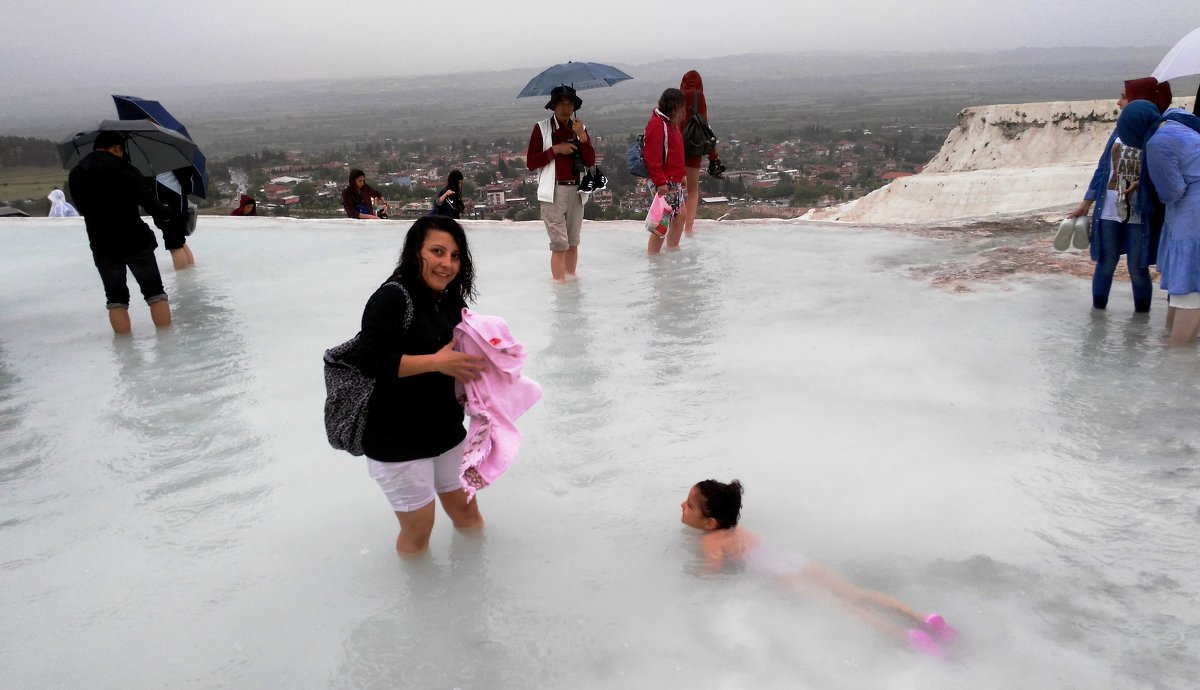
(23, 151)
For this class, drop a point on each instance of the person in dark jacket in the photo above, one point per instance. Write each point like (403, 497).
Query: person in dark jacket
(247, 206)
(359, 198)
(414, 434)
(172, 188)
(107, 190)
(449, 201)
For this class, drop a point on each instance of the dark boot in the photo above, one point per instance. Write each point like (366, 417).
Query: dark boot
(1141, 306)
(1100, 301)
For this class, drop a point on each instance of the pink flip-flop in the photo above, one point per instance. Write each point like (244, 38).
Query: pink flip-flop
(940, 629)
(924, 643)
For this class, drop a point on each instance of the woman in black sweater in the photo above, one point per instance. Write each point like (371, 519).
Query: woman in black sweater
(414, 433)
(449, 201)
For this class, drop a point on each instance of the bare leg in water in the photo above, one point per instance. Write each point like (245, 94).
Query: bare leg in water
(1184, 327)
(881, 611)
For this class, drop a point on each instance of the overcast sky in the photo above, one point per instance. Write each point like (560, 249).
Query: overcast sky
(73, 43)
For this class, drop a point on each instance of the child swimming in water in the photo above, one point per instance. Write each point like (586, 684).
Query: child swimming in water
(715, 508)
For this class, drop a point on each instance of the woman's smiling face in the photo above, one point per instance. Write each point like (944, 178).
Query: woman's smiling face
(439, 260)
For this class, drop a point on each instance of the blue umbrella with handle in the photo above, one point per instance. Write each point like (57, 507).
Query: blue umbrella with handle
(134, 108)
(577, 75)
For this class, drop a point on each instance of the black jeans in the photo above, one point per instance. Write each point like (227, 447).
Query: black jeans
(144, 268)
(175, 231)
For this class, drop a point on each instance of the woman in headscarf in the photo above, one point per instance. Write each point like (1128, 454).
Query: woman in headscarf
(1171, 174)
(1117, 226)
(59, 207)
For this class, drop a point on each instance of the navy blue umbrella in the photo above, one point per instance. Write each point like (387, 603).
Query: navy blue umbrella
(134, 108)
(577, 75)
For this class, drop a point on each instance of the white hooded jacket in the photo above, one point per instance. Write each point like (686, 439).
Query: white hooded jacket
(59, 208)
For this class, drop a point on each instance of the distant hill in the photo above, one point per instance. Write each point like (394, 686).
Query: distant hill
(757, 95)
(1001, 160)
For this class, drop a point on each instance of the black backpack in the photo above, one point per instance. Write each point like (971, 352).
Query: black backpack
(698, 139)
(348, 390)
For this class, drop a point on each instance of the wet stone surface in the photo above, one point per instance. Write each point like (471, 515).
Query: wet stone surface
(1003, 250)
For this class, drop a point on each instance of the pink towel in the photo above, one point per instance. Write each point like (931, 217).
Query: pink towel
(493, 401)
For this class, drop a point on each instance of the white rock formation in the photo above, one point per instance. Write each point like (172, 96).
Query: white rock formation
(999, 161)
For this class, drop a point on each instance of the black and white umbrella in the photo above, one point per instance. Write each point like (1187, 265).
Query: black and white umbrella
(152, 149)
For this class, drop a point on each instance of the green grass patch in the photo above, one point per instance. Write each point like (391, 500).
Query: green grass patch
(20, 183)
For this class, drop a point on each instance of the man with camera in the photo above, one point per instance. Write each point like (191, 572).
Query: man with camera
(560, 150)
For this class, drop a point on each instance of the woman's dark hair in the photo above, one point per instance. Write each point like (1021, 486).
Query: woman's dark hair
(409, 266)
(722, 502)
(355, 173)
(670, 101)
(455, 181)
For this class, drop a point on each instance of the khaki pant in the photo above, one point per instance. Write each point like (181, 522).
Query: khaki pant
(564, 217)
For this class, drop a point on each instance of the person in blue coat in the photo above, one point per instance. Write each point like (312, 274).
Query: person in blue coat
(1171, 175)
(1117, 226)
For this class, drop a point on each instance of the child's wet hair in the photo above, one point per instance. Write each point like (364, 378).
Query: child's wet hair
(722, 502)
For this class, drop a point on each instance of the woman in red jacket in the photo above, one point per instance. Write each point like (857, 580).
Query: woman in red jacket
(359, 198)
(247, 206)
(693, 100)
(663, 149)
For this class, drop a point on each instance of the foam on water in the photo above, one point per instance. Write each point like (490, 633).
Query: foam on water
(172, 515)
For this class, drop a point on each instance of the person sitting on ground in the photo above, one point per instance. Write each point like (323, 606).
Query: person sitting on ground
(109, 190)
(1117, 227)
(359, 198)
(449, 201)
(715, 507)
(247, 206)
(59, 206)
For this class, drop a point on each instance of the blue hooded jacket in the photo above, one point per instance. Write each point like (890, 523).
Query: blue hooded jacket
(1138, 232)
(1172, 160)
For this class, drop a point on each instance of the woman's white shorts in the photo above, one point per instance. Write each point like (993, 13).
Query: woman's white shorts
(412, 484)
(1189, 301)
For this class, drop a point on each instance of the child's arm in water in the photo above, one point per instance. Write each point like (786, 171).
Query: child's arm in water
(867, 604)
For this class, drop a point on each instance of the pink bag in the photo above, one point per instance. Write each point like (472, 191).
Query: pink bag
(658, 219)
